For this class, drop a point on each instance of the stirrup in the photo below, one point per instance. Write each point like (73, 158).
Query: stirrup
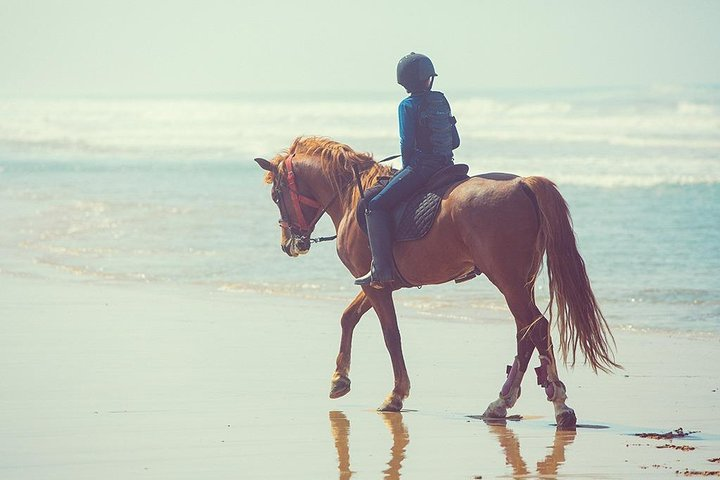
(364, 280)
(368, 280)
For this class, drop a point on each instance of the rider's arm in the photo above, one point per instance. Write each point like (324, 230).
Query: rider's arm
(455, 137)
(406, 120)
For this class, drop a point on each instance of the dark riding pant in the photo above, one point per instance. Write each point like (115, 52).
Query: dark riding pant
(406, 182)
(379, 224)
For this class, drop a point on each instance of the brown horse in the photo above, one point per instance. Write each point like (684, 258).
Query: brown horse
(498, 224)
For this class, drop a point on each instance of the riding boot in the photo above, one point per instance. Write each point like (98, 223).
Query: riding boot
(380, 236)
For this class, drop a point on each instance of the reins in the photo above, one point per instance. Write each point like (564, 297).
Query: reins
(322, 239)
(391, 157)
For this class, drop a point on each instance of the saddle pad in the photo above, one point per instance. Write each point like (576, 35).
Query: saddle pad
(414, 217)
(414, 221)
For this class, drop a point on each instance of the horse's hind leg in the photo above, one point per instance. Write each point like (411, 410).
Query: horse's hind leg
(532, 332)
(510, 391)
(547, 375)
(351, 316)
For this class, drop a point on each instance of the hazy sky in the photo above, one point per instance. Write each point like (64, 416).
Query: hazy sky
(130, 47)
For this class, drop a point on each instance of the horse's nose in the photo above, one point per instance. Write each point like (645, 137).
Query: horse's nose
(304, 244)
(285, 248)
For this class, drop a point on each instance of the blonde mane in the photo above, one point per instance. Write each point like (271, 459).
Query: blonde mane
(337, 162)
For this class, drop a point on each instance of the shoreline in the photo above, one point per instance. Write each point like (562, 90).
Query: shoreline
(128, 380)
(495, 314)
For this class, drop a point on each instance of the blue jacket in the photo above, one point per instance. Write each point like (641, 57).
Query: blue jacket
(408, 117)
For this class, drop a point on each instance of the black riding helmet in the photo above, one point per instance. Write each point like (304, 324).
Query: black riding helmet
(413, 70)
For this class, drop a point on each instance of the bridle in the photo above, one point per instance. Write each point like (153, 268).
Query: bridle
(301, 227)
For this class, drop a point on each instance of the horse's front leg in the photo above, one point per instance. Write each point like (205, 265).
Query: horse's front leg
(350, 318)
(382, 302)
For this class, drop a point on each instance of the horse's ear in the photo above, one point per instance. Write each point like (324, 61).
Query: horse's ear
(265, 165)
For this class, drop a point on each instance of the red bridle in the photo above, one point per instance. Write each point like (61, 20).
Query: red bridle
(297, 200)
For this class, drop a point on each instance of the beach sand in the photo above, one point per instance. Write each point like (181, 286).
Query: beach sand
(131, 381)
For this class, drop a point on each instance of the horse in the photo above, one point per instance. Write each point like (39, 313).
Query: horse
(500, 225)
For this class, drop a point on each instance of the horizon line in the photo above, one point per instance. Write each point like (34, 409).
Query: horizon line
(317, 93)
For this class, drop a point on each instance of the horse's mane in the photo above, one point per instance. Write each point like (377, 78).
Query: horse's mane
(336, 161)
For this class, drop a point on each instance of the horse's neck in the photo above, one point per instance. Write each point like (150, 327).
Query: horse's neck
(336, 206)
(328, 194)
(331, 199)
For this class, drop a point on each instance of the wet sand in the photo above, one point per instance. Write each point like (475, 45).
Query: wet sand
(122, 381)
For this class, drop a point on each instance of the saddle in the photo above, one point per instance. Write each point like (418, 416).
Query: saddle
(413, 218)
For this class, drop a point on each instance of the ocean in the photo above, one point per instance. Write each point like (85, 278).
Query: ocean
(164, 191)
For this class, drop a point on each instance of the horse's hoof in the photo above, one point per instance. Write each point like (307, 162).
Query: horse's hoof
(392, 404)
(566, 420)
(340, 387)
(496, 409)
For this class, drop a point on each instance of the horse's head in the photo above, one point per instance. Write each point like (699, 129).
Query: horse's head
(293, 204)
(312, 169)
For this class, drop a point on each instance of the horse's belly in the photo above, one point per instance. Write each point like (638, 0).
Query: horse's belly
(438, 257)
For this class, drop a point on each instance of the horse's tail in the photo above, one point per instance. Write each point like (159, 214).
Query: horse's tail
(580, 321)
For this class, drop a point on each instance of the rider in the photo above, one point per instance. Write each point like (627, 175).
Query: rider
(427, 138)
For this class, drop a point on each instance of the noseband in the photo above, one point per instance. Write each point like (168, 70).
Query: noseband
(301, 227)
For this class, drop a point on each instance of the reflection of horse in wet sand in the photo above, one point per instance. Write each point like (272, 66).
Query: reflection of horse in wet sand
(500, 225)
(548, 466)
(340, 426)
